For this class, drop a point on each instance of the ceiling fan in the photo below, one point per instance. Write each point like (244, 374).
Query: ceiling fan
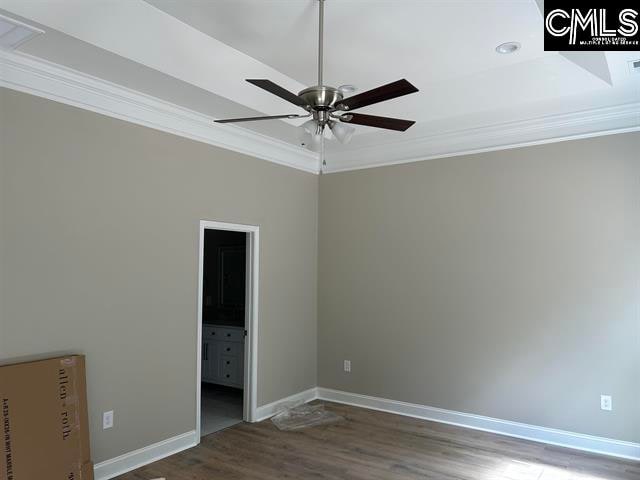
(328, 107)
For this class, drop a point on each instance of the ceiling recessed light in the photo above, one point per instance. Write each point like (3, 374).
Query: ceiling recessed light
(508, 47)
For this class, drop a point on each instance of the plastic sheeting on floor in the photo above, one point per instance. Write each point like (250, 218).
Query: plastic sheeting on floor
(297, 417)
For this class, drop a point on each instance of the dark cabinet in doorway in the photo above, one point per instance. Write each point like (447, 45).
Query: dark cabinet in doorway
(223, 355)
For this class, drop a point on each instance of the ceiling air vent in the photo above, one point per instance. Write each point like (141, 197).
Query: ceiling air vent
(14, 33)
(634, 67)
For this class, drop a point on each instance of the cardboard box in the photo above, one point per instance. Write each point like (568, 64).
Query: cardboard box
(44, 425)
(86, 471)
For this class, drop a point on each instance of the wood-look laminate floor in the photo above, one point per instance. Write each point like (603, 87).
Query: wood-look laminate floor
(372, 445)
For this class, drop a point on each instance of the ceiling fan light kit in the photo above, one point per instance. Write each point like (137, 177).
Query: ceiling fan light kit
(328, 107)
(310, 141)
(341, 132)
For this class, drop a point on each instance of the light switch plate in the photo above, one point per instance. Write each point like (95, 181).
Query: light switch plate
(347, 366)
(107, 419)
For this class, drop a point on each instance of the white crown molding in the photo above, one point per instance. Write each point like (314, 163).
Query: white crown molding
(144, 456)
(551, 436)
(546, 129)
(45, 79)
(35, 76)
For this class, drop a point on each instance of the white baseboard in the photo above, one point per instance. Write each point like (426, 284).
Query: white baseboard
(144, 456)
(269, 410)
(588, 443)
(152, 453)
(606, 446)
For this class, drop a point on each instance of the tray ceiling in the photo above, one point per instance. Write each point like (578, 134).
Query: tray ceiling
(197, 54)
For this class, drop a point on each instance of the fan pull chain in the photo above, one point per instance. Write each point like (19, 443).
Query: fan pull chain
(324, 160)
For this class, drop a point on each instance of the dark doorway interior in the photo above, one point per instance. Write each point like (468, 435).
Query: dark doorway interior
(223, 329)
(224, 282)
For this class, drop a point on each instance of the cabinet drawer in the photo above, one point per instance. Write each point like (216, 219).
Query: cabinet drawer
(231, 334)
(231, 369)
(207, 332)
(223, 334)
(230, 349)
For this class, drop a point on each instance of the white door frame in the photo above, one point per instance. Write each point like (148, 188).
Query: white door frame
(250, 321)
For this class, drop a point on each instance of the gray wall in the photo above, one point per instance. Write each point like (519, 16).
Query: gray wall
(99, 232)
(504, 284)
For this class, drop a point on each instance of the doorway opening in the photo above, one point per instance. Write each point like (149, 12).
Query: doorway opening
(227, 325)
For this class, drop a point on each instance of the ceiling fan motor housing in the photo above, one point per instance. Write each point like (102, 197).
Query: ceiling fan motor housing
(321, 101)
(321, 97)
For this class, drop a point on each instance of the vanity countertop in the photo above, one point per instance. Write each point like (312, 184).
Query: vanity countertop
(224, 325)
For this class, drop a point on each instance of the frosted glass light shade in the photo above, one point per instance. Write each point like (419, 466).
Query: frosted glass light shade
(342, 132)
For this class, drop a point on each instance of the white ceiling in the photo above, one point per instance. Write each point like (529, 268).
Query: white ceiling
(197, 54)
(442, 47)
(369, 42)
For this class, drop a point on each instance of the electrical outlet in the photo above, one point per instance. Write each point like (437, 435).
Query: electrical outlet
(347, 366)
(606, 403)
(107, 420)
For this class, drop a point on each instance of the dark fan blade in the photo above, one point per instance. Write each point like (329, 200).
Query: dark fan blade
(378, 122)
(380, 94)
(271, 87)
(251, 119)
